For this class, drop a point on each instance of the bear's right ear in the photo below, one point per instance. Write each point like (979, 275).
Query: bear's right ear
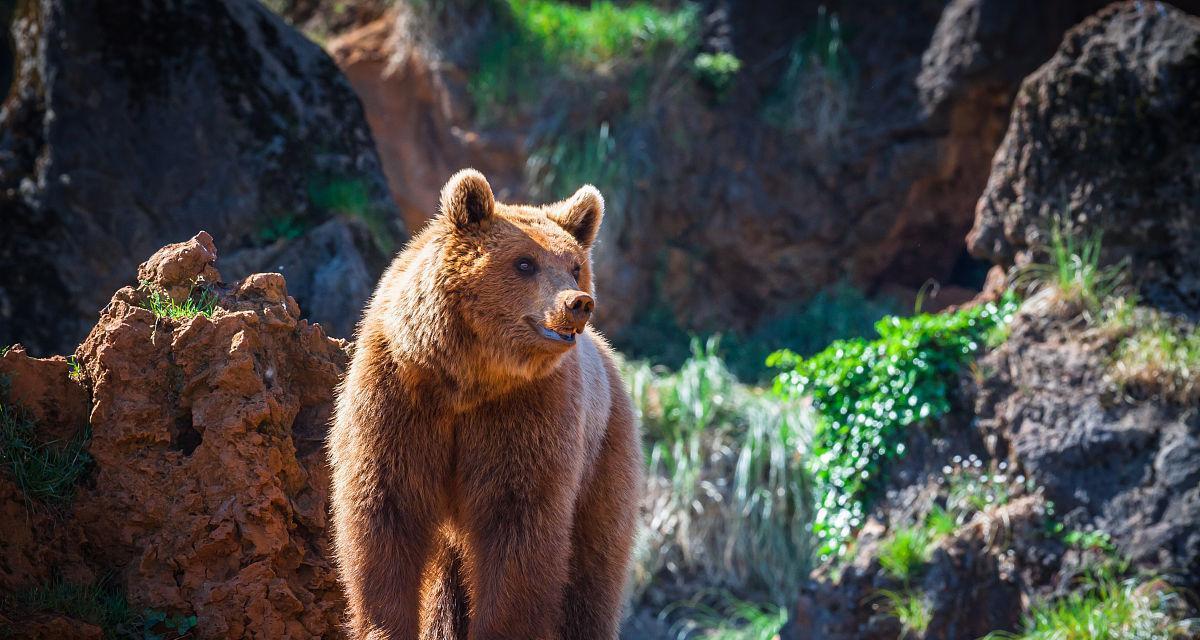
(467, 199)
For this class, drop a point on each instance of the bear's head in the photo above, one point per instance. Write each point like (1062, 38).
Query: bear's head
(520, 276)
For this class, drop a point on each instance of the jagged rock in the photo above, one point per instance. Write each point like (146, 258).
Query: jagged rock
(210, 486)
(1106, 136)
(1131, 469)
(125, 129)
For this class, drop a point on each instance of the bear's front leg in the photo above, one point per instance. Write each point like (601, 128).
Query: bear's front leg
(517, 520)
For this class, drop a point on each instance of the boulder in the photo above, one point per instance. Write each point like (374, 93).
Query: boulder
(1104, 138)
(125, 129)
(209, 492)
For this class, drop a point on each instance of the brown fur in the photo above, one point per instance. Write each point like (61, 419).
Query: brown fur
(485, 476)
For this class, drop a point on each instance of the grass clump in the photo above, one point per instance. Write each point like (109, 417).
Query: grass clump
(905, 552)
(100, 604)
(717, 71)
(44, 471)
(912, 609)
(1160, 355)
(1073, 272)
(734, 619)
(728, 495)
(1106, 608)
(539, 40)
(867, 391)
(815, 93)
(199, 302)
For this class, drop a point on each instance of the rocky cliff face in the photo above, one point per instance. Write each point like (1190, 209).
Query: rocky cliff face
(207, 491)
(124, 129)
(1043, 429)
(1105, 137)
(730, 230)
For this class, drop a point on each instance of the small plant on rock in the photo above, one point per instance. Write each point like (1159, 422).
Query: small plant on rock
(717, 71)
(199, 302)
(43, 471)
(912, 610)
(1073, 272)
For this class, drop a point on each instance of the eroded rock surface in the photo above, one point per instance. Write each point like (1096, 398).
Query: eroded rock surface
(1105, 136)
(208, 490)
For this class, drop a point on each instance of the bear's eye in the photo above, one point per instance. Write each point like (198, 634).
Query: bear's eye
(575, 272)
(526, 266)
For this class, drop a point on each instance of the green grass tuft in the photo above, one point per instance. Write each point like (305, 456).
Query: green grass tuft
(1159, 356)
(1105, 608)
(536, 41)
(732, 620)
(867, 392)
(815, 93)
(1073, 271)
(726, 485)
(906, 551)
(43, 471)
(199, 302)
(717, 71)
(100, 604)
(912, 609)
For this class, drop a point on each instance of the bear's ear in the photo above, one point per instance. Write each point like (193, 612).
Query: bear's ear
(581, 213)
(467, 199)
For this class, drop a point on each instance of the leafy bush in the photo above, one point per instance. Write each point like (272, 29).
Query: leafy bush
(867, 392)
(727, 491)
(716, 71)
(43, 471)
(199, 302)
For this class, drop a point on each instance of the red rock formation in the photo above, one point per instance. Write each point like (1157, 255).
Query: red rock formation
(208, 491)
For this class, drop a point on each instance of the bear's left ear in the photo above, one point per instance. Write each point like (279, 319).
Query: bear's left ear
(467, 199)
(580, 214)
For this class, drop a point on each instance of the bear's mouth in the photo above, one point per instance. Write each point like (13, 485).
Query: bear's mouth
(551, 334)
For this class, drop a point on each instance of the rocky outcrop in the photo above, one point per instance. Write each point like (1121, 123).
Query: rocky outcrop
(208, 490)
(1130, 468)
(727, 231)
(124, 129)
(1105, 136)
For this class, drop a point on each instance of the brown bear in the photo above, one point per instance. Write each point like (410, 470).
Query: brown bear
(485, 456)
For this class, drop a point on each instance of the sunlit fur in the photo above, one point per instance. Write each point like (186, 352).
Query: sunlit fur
(485, 476)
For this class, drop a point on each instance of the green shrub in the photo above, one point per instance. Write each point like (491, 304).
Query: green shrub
(867, 392)
(199, 302)
(1105, 608)
(727, 491)
(43, 471)
(717, 71)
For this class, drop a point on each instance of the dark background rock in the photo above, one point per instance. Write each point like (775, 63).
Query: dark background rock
(1107, 135)
(128, 128)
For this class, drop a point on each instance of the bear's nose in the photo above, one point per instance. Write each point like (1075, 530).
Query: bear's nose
(579, 309)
